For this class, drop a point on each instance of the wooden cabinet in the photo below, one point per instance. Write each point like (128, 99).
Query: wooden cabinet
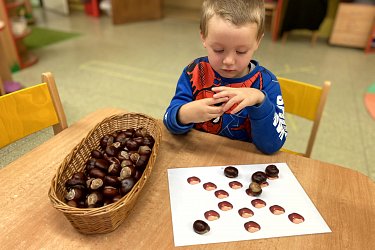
(15, 14)
(353, 25)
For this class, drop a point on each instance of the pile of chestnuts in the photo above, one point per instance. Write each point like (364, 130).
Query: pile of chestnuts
(112, 170)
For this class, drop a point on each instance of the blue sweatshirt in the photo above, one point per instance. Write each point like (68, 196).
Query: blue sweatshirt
(262, 124)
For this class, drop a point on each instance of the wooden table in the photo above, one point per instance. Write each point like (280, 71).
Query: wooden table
(345, 198)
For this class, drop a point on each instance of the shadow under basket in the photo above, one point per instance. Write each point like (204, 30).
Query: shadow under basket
(107, 218)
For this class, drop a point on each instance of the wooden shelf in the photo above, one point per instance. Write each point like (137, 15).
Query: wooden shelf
(16, 57)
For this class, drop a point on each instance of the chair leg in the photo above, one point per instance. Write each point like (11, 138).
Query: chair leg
(285, 37)
(314, 38)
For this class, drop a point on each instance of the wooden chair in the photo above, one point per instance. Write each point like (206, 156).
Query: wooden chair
(307, 101)
(31, 109)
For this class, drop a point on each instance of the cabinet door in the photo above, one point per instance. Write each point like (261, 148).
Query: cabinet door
(59, 6)
(124, 11)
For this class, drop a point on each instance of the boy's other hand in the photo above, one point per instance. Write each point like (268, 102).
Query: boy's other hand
(243, 97)
(201, 110)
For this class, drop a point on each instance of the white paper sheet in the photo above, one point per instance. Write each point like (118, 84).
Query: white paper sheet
(190, 202)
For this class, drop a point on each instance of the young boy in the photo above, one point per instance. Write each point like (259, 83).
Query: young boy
(228, 93)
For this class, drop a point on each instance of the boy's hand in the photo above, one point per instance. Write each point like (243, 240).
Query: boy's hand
(243, 97)
(201, 110)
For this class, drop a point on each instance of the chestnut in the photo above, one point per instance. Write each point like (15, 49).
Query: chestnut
(72, 203)
(231, 172)
(116, 198)
(106, 140)
(134, 157)
(128, 171)
(75, 194)
(111, 181)
(95, 183)
(254, 189)
(129, 132)
(125, 163)
(96, 173)
(140, 132)
(111, 150)
(95, 199)
(102, 164)
(96, 154)
(260, 178)
(123, 155)
(144, 150)
(78, 179)
(138, 140)
(201, 227)
(114, 169)
(126, 185)
(138, 174)
(110, 192)
(131, 145)
(121, 138)
(272, 172)
(142, 162)
(148, 140)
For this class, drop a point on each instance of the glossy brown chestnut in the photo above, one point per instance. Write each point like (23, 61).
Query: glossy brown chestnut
(78, 179)
(134, 157)
(142, 162)
(111, 181)
(209, 186)
(296, 218)
(252, 226)
(95, 183)
(114, 169)
(131, 145)
(211, 215)
(225, 205)
(96, 154)
(245, 212)
(260, 178)
(258, 203)
(138, 140)
(254, 189)
(111, 150)
(140, 132)
(110, 192)
(201, 227)
(277, 210)
(235, 184)
(193, 180)
(231, 172)
(272, 172)
(95, 199)
(96, 173)
(138, 174)
(123, 155)
(144, 150)
(128, 171)
(75, 194)
(125, 163)
(126, 185)
(221, 194)
(106, 140)
(102, 164)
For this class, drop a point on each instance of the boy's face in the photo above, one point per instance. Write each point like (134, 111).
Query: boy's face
(230, 48)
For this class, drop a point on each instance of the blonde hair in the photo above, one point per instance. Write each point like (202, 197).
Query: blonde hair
(238, 12)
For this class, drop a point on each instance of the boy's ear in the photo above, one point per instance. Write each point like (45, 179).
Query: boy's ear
(203, 40)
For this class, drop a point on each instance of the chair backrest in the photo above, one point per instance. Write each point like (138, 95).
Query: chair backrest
(31, 109)
(307, 101)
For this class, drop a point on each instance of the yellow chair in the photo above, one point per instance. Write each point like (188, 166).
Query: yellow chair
(31, 109)
(307, 101)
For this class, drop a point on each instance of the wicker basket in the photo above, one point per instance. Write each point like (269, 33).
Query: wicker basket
(107, 218)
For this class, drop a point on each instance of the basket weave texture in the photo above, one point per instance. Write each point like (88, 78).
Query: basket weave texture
(107, 218)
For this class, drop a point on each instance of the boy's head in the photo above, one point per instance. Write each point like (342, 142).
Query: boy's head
(237, 12)
(231, 31)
